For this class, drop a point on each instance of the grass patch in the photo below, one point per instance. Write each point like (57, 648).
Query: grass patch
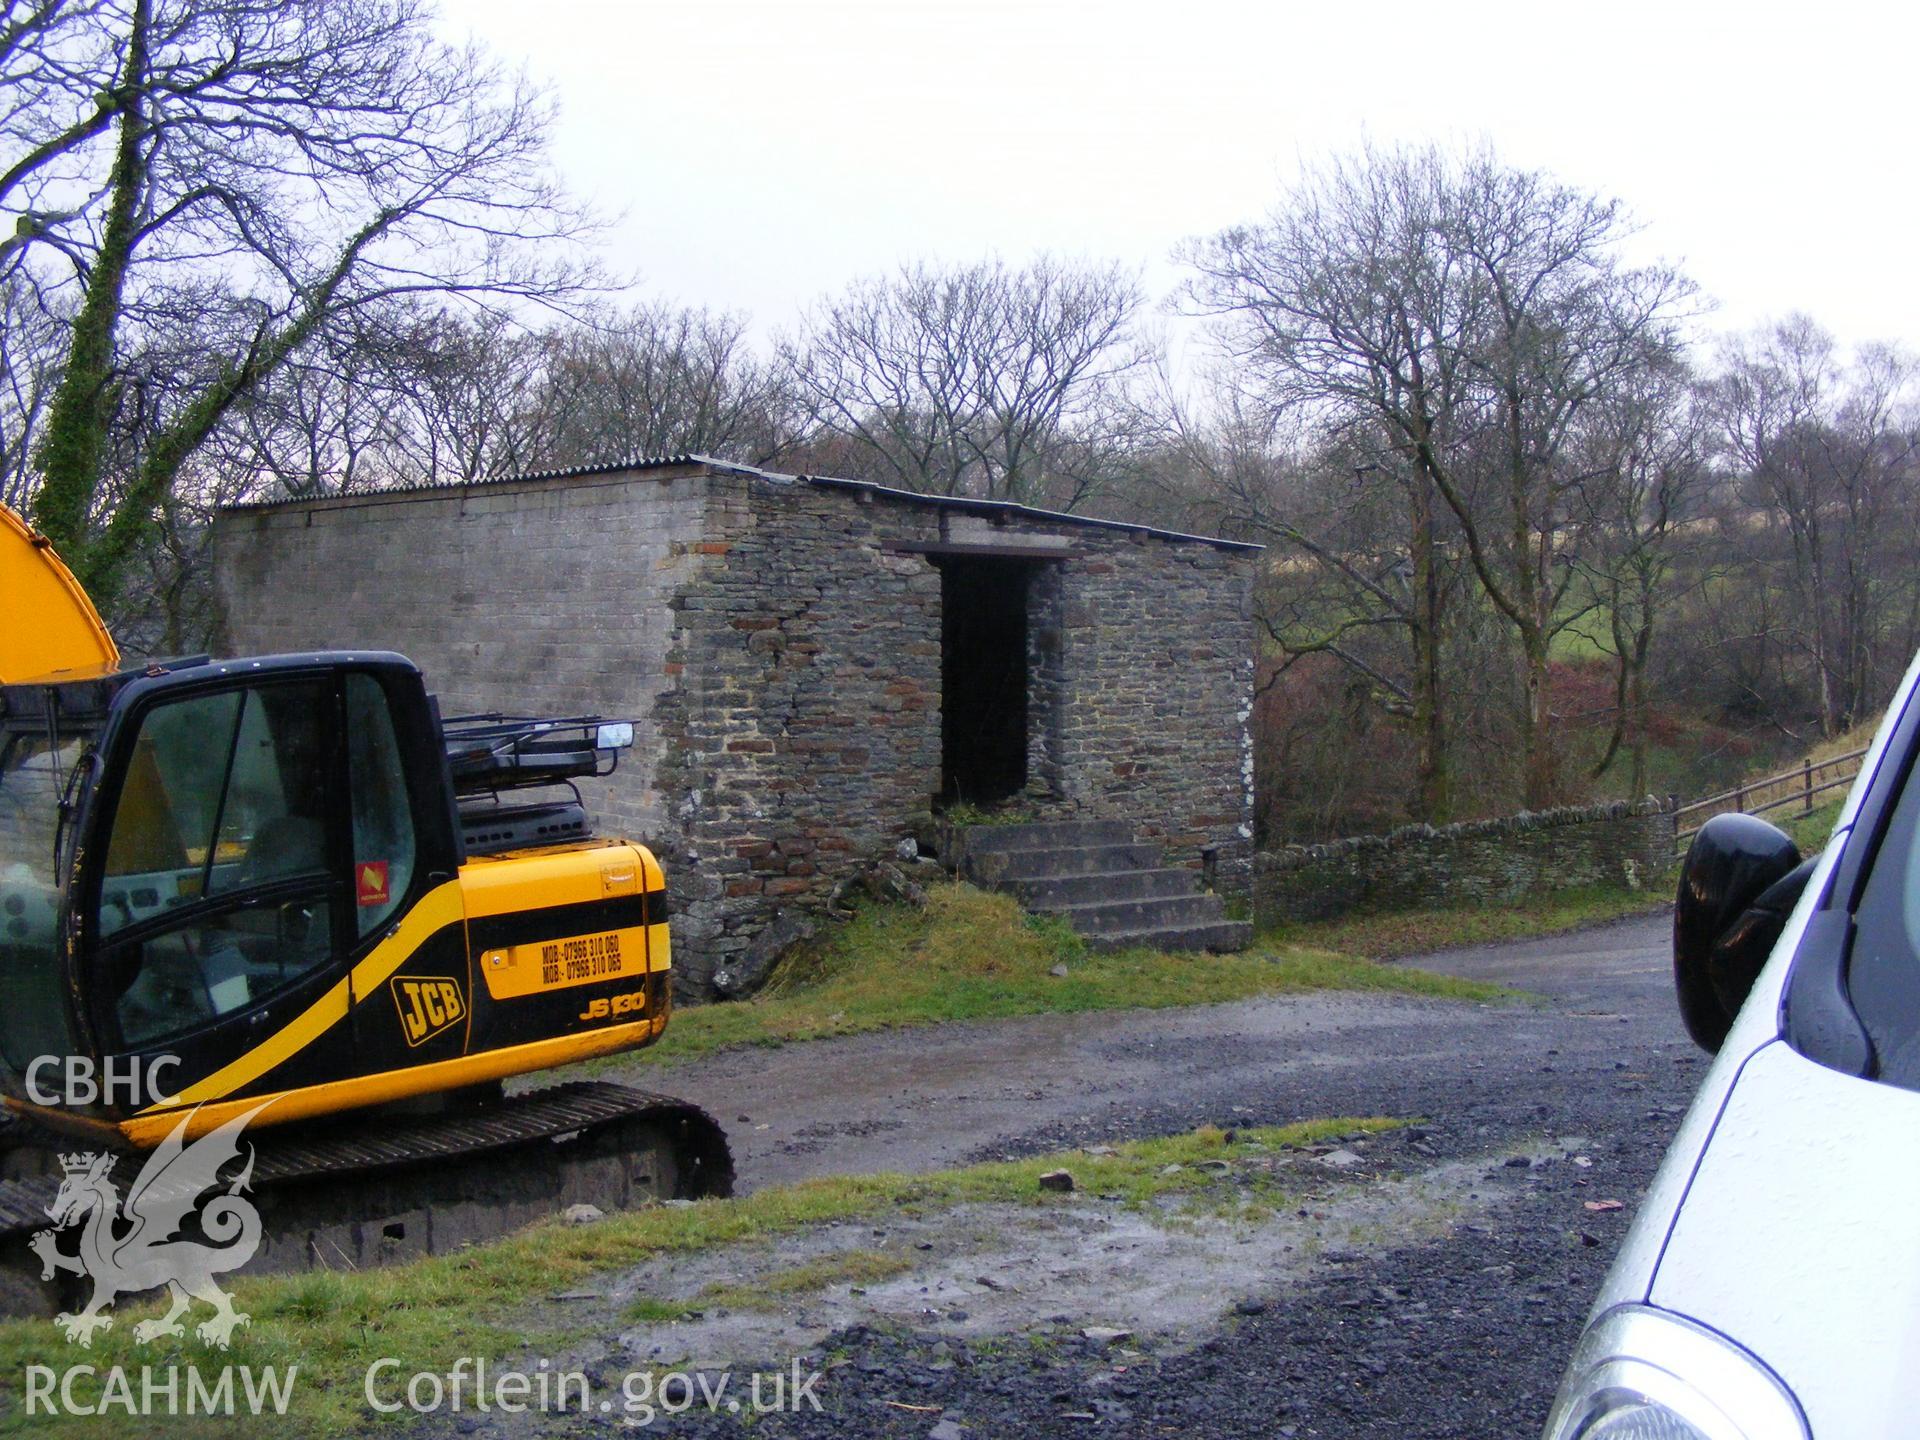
(1415, 932)
(971, 955)
(965, 815)
(1812, 830)
(1857, 738)
(772, 1292)
(427, 1314)
(1313, 969)
(646, 1310)
(1790, 779)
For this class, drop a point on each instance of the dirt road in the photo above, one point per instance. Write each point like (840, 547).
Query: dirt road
(920, 1099)
(1431, 1284)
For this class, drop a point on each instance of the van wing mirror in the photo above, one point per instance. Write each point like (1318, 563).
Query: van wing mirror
(1739, 882)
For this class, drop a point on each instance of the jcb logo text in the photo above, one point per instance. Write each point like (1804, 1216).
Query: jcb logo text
(428, 1005)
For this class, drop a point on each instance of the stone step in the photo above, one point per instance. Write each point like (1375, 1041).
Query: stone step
(1218, 936)
(1057, 890)
(1114, 916)
(1044, 835)
(1000, 866)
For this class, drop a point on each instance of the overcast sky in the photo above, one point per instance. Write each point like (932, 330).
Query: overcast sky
(765, 153)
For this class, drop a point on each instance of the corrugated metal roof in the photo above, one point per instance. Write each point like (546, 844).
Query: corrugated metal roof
(574, 472)
(967, 504)
(1024, 512)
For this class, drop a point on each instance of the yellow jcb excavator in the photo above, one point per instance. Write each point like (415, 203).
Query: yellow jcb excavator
(287, 885)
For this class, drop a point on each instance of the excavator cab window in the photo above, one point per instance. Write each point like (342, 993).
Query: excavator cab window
(383, 839)
(35, 770)
(216, 893)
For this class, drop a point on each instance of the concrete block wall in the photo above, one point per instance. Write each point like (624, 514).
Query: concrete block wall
(544, 598)
(1476, 862)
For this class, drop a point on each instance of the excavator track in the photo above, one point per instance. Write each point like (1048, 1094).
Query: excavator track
(346, 1193)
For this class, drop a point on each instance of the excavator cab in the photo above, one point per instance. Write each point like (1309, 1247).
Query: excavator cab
(194, 857)
(288, 879)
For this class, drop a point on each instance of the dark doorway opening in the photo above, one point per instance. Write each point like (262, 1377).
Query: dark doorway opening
(983, 678)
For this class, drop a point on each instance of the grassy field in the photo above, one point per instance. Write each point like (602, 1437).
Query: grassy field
(971, 955)
(425, 1315)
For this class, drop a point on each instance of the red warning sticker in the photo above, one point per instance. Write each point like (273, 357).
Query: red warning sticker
(370, 882)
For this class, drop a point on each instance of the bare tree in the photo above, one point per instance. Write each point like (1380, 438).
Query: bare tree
(31, 340)
(407, 393)
(465, 399)
(658, 380)
(50, 113)
(268, 168)
(1369, 586)
(1463, 315)
(1644, 453)
(327, 422)
(981, 380)
(1828, 447)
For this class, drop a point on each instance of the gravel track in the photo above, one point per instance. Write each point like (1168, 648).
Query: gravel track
(1407, 1336)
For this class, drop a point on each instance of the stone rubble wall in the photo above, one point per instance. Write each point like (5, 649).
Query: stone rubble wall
(804, 732)
(1479, 861)
(803, 726)
(1155, 694)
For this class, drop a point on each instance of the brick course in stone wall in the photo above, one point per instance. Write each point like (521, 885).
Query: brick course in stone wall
(780, 643)
(1483, 861)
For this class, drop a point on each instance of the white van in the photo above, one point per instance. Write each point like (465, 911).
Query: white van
(1770, 1286)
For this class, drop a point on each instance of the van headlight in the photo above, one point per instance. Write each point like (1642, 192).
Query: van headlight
(1645, 1374)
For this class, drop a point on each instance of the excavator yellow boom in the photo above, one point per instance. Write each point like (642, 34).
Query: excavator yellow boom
(49, 630)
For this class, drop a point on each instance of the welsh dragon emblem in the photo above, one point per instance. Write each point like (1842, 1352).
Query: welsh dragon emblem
(146, 1254)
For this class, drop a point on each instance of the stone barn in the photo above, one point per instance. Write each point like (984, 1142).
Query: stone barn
(818, 667)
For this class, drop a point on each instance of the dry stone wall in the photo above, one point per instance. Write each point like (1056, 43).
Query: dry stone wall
(1482, 861)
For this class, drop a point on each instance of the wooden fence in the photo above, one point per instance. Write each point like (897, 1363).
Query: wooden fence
(1797, 786)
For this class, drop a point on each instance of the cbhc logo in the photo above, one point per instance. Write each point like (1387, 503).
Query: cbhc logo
(119, 1079)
